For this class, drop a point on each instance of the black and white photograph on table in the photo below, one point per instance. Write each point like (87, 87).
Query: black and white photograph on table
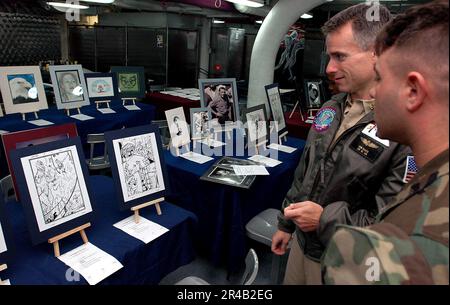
(229, 162)
(178, 127)
(276, 108)
(22, 89)
(69, 86)
(137, 164)
(52, 187)
(220, 96)
(222, 172)
(200, 122)
(256, 121)
(313, 94)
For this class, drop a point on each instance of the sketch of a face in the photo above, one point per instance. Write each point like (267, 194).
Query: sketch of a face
(128, 82)
(70, 88)
(23, 88)
(176, 121)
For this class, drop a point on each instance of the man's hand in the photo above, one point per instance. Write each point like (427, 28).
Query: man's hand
(305, 214)
(280, 240)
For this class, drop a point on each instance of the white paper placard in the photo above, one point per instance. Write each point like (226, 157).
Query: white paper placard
(145, 230)
(106, 110)
(6, 282)
(91, 262)
(269, 162)
(195, 157)
(247, 170)
(40, 122)
(212, 143)
(81, 117)
(283, 148)
(132, 107)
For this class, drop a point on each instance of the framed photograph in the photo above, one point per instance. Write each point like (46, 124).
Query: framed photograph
(313, 94)
(31, 137)
(178, 127)
(52, 187)
(137, 164)
(102, 86)
(6, 239)
(220, 96)
(69, 86)
(22, 89)
(274, 100)
(257, 124)
(222, 172)
(131, 81)
(200, 122)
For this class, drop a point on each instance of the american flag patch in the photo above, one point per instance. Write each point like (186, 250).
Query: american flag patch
(410, 170)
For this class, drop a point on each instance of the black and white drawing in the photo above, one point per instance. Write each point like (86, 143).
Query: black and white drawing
(56, 186)
(178, 128)
(69, 86)
(256, 124)
(200, 122)
(274, 98)
(23, 88)
(139, 166)
(313, 94)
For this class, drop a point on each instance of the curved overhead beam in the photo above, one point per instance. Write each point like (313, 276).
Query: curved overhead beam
(267, 42)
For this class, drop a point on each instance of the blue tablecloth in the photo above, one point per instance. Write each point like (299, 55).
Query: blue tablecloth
(222, 210)
(143, 263)
(100, 123)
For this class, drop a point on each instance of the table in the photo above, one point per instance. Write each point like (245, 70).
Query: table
(164, 102)
(222, 210)
(296, 126)
(143, 263)
(101, 123)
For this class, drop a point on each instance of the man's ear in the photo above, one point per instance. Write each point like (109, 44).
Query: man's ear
(416, 91)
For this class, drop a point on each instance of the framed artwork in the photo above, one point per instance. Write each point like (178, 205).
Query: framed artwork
(69, 86)
(131, 81)
(22, 89)
(220, 96)
(256, 119)
(178, 127)
(137, 164)
(31, 137)
(222, 172)
(101, 86)
(274, 100)
(5, 235)
(313, 94)
(52, 187)
(200, 122)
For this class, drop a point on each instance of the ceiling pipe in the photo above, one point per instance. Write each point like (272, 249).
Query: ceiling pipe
(267, 42)
(257, 11)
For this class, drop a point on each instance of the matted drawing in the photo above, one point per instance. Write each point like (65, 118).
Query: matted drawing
(137, 164)
(200, 122)
(274, 100)
(69, 86)
(52, 186)
(131, 81)
(257, 126)
(22, 89)
(178, 127)
(101, 86)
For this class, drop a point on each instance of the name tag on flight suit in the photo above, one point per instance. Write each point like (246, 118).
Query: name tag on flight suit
(371, 131)
(366, 147)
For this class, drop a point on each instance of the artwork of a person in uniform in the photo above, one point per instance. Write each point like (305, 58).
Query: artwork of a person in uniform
(221, 105)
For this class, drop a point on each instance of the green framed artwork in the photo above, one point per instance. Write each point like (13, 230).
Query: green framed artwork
(131, 81)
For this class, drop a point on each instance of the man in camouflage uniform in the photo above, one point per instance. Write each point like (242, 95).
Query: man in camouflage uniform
(409, 244)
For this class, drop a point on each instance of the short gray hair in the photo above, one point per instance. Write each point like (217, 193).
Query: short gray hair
(365, 31)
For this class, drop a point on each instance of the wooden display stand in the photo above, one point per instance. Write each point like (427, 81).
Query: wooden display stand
(177, 149)
(2, 267)
(24, 115)
(282, 137)
(144, 205)
(55, 240)
(68, 111)
(126, 99)
(98, 103)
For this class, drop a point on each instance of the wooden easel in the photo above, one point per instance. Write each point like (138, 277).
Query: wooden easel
(126, 99)
(55, 240)
(2, 267)
(24, 115)
(299, 110)
(258, 145)
(177, 148)
(144, 205)
(282, 137)
(68, 111)
(98, 103)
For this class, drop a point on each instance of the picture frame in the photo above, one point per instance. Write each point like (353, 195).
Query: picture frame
(52, 184)
(137, 165)
(102, 86)
(22, 89)
(130, 81)
(6, 239)
(200, 122)
(220, 95)
(222, 172)
(314, 94)
(178, 127)
(31, 137)
(69, 86)
(257, 127)
(276, 108)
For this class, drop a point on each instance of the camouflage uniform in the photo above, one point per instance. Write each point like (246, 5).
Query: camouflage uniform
(409, 243)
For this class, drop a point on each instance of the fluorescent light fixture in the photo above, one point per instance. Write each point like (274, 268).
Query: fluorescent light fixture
(218, 21)
(99, 1)
(259, 21)
(251, 3)
(67, 5)
(306, 16)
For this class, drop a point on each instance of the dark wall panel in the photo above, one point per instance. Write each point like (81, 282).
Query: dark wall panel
(82, 46)
(183, 58)
(110, 47)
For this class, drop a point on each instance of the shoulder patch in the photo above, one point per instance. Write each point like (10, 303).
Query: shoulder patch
(324, 118)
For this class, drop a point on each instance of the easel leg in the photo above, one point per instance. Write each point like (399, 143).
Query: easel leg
(84, 236)
(136, 216)
(56, 249)
(158, 209)
(293, 109)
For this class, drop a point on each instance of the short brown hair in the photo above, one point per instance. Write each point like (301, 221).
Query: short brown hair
(364, 30)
